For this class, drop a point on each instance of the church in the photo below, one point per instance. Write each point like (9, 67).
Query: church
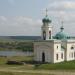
(53, 49)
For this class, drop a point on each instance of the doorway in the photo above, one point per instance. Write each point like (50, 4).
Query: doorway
(43, 57)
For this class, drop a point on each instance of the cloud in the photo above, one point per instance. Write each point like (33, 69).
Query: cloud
(62, 5)
(19, 25)
(64, 10)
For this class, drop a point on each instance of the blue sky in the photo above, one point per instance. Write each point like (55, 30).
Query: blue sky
(23, 17)
(31, 8)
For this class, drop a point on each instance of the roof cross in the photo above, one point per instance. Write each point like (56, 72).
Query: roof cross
(46, 12)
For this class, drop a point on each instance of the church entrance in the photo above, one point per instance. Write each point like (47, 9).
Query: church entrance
(43, 57)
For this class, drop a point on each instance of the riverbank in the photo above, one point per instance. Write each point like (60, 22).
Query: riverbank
(16, 45)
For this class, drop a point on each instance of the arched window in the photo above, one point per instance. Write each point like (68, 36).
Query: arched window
(62, 55)
(57, 47)
(57, 56)
(49, 34)
(44, 35)
(72, 47)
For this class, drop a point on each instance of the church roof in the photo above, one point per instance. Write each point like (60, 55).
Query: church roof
(46, 19)
(61, 35)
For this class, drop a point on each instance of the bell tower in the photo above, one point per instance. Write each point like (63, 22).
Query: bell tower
(46, 28)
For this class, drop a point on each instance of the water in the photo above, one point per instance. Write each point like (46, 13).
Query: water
(15, 53)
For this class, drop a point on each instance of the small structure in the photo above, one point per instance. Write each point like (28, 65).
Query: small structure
(53, 50)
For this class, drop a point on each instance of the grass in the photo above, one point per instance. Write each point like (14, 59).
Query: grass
(16, 73)
(3, 61)
(70, 65)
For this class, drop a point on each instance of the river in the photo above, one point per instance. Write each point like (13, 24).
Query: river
(15, 53)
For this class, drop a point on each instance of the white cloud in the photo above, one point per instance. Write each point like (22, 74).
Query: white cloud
(62, 5)
(19, 25)
(62, 10)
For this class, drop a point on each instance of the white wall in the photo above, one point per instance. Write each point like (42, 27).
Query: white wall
(58, 51)
(69, 53)
(40, 47)
(50, 49)
(46, 28)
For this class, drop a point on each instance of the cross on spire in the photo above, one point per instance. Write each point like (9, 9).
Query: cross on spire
(62, 28)
(46, 12)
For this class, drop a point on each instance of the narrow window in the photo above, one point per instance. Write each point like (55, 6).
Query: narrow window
(62, 55)
(57, 47)
(74, 54)
(44, 35)
(56, 56)
(72, 48)
(49, 34)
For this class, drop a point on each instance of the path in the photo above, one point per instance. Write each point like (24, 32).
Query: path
(54, 72)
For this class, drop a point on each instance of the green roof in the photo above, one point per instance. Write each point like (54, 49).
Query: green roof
(46, 19)
(61, 35)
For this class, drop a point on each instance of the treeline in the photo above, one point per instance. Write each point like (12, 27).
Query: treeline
(15, 45)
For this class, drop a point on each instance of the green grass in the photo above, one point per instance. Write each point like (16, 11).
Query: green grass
(3, 61)
(70, 65)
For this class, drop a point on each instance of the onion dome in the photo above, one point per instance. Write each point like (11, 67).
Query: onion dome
(46, 19)
(61, 35)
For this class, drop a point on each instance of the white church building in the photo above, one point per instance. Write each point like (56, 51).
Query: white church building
(53, 49)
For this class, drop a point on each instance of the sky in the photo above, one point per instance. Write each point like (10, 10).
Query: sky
(24, 17)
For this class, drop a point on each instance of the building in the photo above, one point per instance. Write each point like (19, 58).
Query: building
(53, 49)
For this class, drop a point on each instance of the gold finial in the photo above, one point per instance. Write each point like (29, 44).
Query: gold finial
(46, 12)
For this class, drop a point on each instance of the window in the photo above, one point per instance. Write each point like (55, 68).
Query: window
(57, 47)
(72, 48)
(44, 35)
(62, 55)
(71, 55)
(74, 54)
(56, 56)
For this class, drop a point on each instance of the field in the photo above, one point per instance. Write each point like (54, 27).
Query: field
(29, 65)
(16, 73)
(34, 69)
(26, 69)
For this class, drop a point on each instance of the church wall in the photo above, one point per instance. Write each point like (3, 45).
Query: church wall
(70, 52)
(47, 29)
(43, 47)
(59, 52)
(64, 44)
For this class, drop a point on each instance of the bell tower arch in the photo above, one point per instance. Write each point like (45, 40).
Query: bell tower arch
(46, 28)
